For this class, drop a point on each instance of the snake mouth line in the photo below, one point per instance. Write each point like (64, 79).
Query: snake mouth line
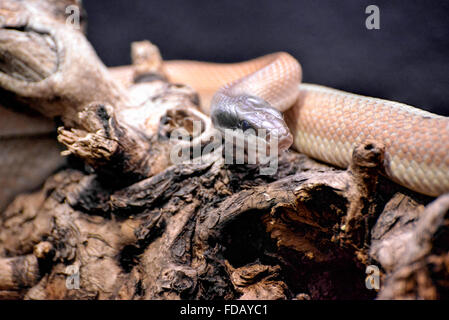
(285, 142)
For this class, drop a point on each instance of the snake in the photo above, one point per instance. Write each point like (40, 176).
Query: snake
(266, 93)
(323, 123)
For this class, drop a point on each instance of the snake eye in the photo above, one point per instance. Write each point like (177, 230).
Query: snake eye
(245, 125)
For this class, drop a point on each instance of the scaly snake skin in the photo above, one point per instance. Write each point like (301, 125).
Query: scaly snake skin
(327, 124)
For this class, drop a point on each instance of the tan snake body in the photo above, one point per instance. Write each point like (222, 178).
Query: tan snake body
(325, 123)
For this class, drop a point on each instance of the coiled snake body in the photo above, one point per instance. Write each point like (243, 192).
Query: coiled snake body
(266, 92)
(323, 123)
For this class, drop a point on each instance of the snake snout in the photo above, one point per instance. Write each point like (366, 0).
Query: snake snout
(285, 142)
(281, 136)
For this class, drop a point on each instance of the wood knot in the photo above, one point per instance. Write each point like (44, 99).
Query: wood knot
(147, 62)
(369, 154)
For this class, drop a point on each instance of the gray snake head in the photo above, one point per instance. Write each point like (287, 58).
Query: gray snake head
(248, 112)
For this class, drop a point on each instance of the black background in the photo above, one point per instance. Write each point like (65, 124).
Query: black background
(407, 60)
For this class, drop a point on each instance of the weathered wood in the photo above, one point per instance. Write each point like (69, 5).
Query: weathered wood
(137, 225)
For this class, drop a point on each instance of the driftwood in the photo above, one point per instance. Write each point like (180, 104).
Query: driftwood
(122, 221)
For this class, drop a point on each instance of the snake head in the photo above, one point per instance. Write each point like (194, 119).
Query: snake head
(248, 112)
